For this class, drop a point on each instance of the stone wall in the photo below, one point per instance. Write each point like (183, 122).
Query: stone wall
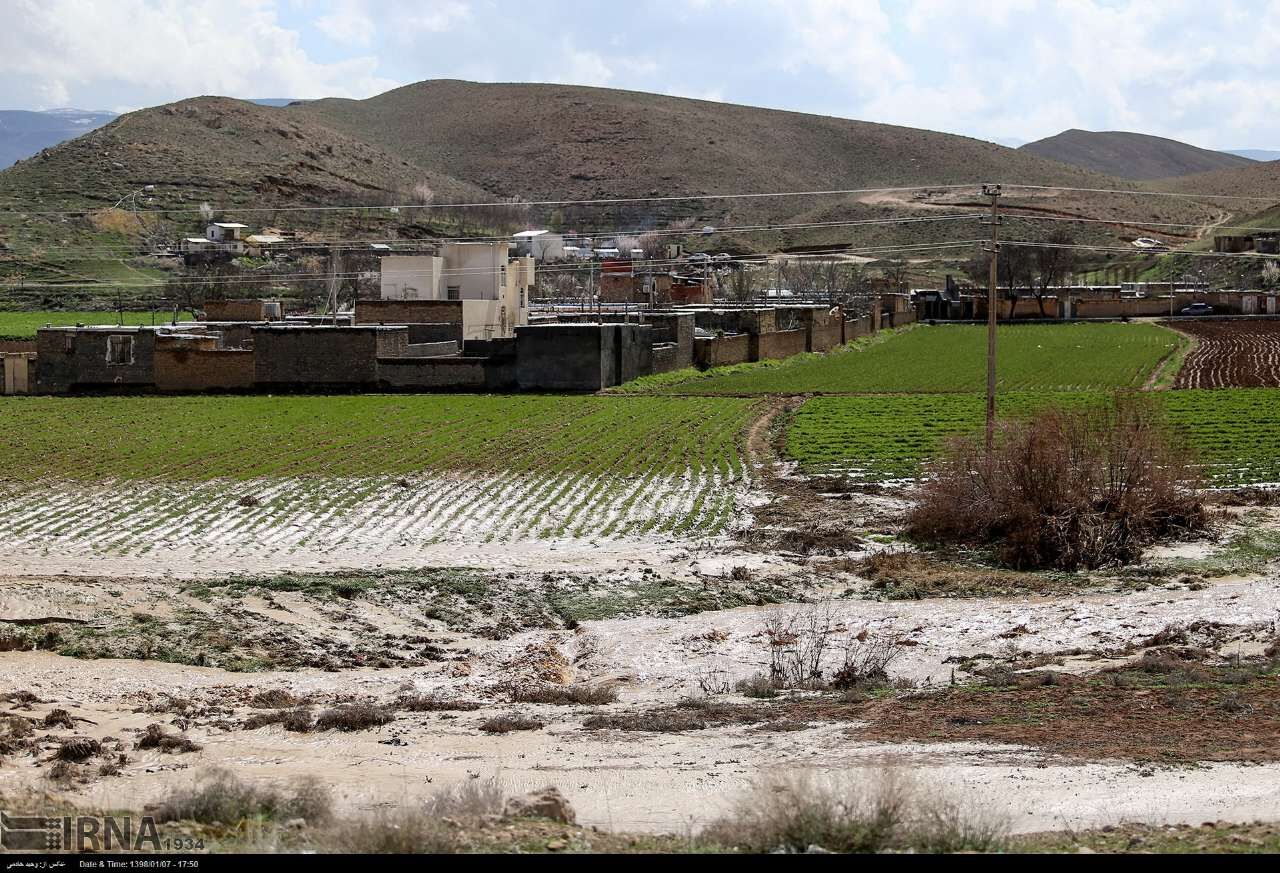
(722, 351)
(430, 350)
(676, 328)
(466, 374)
(340, 357)
(409, 312)
(778, 344)
(581, 357)
(236, 310)
(184, 364)
(70, 358)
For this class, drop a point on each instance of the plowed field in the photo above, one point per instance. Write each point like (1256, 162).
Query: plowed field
(1232, 354)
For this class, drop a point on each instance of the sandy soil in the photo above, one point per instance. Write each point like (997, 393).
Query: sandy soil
(381, 643)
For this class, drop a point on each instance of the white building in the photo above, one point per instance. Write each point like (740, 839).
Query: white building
(492, 290)
(541, 245)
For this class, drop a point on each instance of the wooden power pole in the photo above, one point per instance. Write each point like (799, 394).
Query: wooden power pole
(992, 191)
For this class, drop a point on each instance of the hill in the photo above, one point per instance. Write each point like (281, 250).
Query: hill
(452, 141)
(1254, 180)
(23, 133)
(1131, 155)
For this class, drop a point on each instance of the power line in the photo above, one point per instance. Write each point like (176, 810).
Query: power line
(598, 201)
(104, 251)
(568, 268)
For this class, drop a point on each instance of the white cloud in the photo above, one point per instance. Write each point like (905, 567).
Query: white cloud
(846, 38)
(164, 50)
(348, 23)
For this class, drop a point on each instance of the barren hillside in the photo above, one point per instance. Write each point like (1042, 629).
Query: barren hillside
(1131, 155)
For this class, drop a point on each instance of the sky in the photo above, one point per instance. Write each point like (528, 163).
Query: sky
(1005, 70)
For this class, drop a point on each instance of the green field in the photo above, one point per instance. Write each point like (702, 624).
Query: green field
(888, 437)
(23, 325)
(203, 438)
(952, 358)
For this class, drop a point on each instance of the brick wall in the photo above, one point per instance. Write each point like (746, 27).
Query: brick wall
(235, 310)
(409, 312)
(68, 359)
(304, 357)
(778, 344)
(431, 350)
(437, 373)
(187, 367)
(666, 357)
(722, 351)
(17, 346)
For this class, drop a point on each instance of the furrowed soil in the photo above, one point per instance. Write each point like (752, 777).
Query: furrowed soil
(1240, 353)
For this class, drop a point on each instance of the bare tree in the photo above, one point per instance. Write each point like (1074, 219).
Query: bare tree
(1052, 263)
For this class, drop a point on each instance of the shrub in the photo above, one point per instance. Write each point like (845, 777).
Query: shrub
(794, 813)
(804, 643)
(432, 828)
(275, 698)
(354, 717)
(435, 703)
(296, 720)
(1066, 489)
(505, 724)
(219, 796)
(77, 749)
(154, 737)
(758, 686)
(565, 695)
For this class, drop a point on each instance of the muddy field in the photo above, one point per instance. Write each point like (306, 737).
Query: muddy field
(396, 637)
(1241, 353)
(634, 685)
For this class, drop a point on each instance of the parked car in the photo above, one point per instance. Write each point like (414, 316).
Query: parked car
(1197, 309)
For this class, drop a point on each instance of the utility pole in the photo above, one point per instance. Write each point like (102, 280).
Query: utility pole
(333, 284)
(992, 191)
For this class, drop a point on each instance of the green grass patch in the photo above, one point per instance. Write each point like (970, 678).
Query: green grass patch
(202, 438)
(952, 359)
(23, 325)
(875, 438)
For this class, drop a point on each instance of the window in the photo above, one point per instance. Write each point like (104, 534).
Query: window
(455, 292)
(119, 349)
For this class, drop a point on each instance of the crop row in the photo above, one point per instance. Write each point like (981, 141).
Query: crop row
(879, 438)
(952, 358)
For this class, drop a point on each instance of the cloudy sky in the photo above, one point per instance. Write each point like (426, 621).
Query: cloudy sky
(1008, 70)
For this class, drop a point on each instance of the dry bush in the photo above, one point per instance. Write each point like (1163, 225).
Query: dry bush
(435, 827)
(275, 698)
(59, 718)
(154, 737)
(505, 724)
(399, 832)
(469, 801)
(656, 721)
(758, 686)
(796, 814)
(354, 717)
(803, 643)
(295, 720)
(564, 695)
(219, 796)
(1067, 489)
(435, 703)
(77, 749)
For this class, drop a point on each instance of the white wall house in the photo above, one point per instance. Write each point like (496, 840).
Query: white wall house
(541, 245)
(492, 290)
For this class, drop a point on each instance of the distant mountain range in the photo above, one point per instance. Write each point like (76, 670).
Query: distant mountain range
(1256, 154)
(24, 133)
(1135, 156)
